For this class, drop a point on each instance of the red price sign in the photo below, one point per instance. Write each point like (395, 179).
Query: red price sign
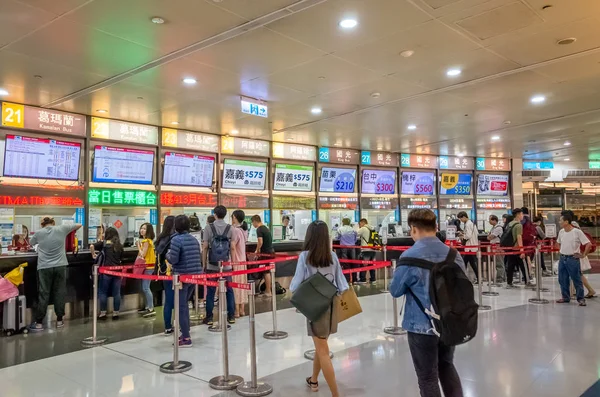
(385, 188)
(423, 189)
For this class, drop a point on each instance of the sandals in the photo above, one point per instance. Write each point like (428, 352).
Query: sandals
(590, 296)
(314, 386)
(562, 301)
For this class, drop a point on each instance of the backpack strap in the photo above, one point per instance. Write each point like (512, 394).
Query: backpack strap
(213, 230)
(226, 231)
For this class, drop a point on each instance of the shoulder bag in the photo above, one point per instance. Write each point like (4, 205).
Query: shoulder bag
(314, 296)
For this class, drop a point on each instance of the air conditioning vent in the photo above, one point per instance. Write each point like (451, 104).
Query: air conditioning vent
(535, 174)
(583, 174)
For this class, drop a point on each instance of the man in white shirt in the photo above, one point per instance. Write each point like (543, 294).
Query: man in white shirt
(570, 240)
(494, 239)
(470, 237)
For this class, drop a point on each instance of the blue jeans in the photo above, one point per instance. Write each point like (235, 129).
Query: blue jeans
(569, 268)
(106, 285)
(184, 311)
(169, 303)
(210, 298)
(147, 292)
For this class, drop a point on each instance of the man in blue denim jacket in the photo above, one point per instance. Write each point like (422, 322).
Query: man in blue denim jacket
(432, 359)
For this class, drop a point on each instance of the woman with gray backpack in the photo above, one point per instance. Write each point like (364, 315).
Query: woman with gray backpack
(318, 264)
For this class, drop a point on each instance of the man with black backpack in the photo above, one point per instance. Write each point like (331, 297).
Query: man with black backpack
(513, 238)
(440, 310)
(217, 244)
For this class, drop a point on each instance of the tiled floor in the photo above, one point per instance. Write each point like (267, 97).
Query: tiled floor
(521, 350)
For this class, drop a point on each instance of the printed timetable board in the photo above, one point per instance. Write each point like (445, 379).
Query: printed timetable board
(378, 182)
(188, 170)
(337, 180)
(295, 178)
(41, 158)
(243, 174)
(121, 165)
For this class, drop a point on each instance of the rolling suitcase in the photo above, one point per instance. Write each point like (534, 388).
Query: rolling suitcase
(13, 317)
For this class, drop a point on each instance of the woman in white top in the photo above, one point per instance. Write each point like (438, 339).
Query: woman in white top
(318, 257)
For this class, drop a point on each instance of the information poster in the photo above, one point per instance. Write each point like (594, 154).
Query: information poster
(418, 183)
(337, 180)
(296, 178)
(188, 170)
(120, 165)
(458, 184)
(378, 182)
(27, 157)
(242, 174)
(492, 185)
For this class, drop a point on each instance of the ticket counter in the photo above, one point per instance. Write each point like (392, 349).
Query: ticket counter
(417, 191)
(292, 215)
(456, 195)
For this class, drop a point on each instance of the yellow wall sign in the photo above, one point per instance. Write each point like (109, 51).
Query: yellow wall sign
(228, 144)
(100, 128)
(169, 137)
(449, 181)
(13, 115)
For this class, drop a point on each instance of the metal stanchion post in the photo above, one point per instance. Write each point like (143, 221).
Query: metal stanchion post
(480, 282)
(176, 366)
(528, 284)
(538, 285)
(385, 272)
(216, 327)
(489, 292)
(395, 329)
(253, 388)
(94, 340)
(225, 381)
(552, 256)
(275, 333)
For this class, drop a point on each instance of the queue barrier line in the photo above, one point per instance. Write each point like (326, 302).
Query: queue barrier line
(263, 262)
(363, 247)
(378, 265)
(360, 262)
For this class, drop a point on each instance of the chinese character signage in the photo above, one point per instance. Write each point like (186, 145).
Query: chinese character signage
(254, 108)
(244, 146)
(492, 164)
(379, 203)
(492, 185)
(455, 184)
(294, 152)
(122, 131)
(411, 203)
(184, 199)
(190, 140)
(40, 201)
(118, 197)
(241, 174)
(538, 165)
(594, 165)
(348, 203)
(297, 178)
(339, 156)
(382, 159)
(418, 161)
(456, 204)
(418, 183)
(493, 203)
(37, 119)
(378, 182)
(294, 203)
(456, 163)
(234, 201)
(337, 180)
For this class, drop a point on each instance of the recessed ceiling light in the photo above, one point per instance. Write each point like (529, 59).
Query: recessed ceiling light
(189, 81)
(495, 138)
(157, 20)
(316, 110)
(175, 122)
(567, 41)
(289, 139)
(37, 76)
(453, 72)
(234, 132)
(375, 95)
(567, 159)
(407, 53)
(537, 99)
(337, 144)
(101, 110)
(507, 122)
(3, 92)
(140, 98)
(461, 155)
(321, 77)
(348, 23)
(567, 143)
(412, 127)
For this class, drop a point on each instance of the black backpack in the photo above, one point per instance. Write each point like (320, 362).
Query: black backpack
(507, 239)
(453, 309)
(220, 246)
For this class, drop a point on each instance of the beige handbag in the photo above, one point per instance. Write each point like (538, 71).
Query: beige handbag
(348, 305)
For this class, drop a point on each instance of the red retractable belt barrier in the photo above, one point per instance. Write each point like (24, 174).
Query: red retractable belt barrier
(365, 247)
(374, 265)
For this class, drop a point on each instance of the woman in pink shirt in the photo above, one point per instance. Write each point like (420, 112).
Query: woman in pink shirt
(240, 236)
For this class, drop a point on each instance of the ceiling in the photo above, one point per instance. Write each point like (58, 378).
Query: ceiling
(87, 55)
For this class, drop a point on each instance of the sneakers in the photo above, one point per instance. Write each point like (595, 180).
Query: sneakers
(582, 303)
(510, 286)
(187, 342)
(60, 324)
(373, 282)
(36, 327)
(231, 320)
(207, 321)
(149, 313)
(142, 311)
(361, 282)
(168, 332)
(115, 316)
(102, 316)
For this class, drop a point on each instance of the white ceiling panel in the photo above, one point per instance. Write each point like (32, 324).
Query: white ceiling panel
(18, 19)
(256, 54)
(319, 25)
(57, 7)
(251, 9)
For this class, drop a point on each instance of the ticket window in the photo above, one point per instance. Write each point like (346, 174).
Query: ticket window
(333, 218)
(293, 229)
(201, 213)
(382, 220)
(447, 215)
(27, 220)
(483, 216)
(264, 216)
(127, 221)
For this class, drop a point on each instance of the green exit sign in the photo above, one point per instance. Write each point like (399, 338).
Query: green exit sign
(127, 198)
(594, 165)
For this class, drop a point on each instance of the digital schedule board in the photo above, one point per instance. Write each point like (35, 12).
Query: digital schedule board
(188, 170)
(121, 165)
